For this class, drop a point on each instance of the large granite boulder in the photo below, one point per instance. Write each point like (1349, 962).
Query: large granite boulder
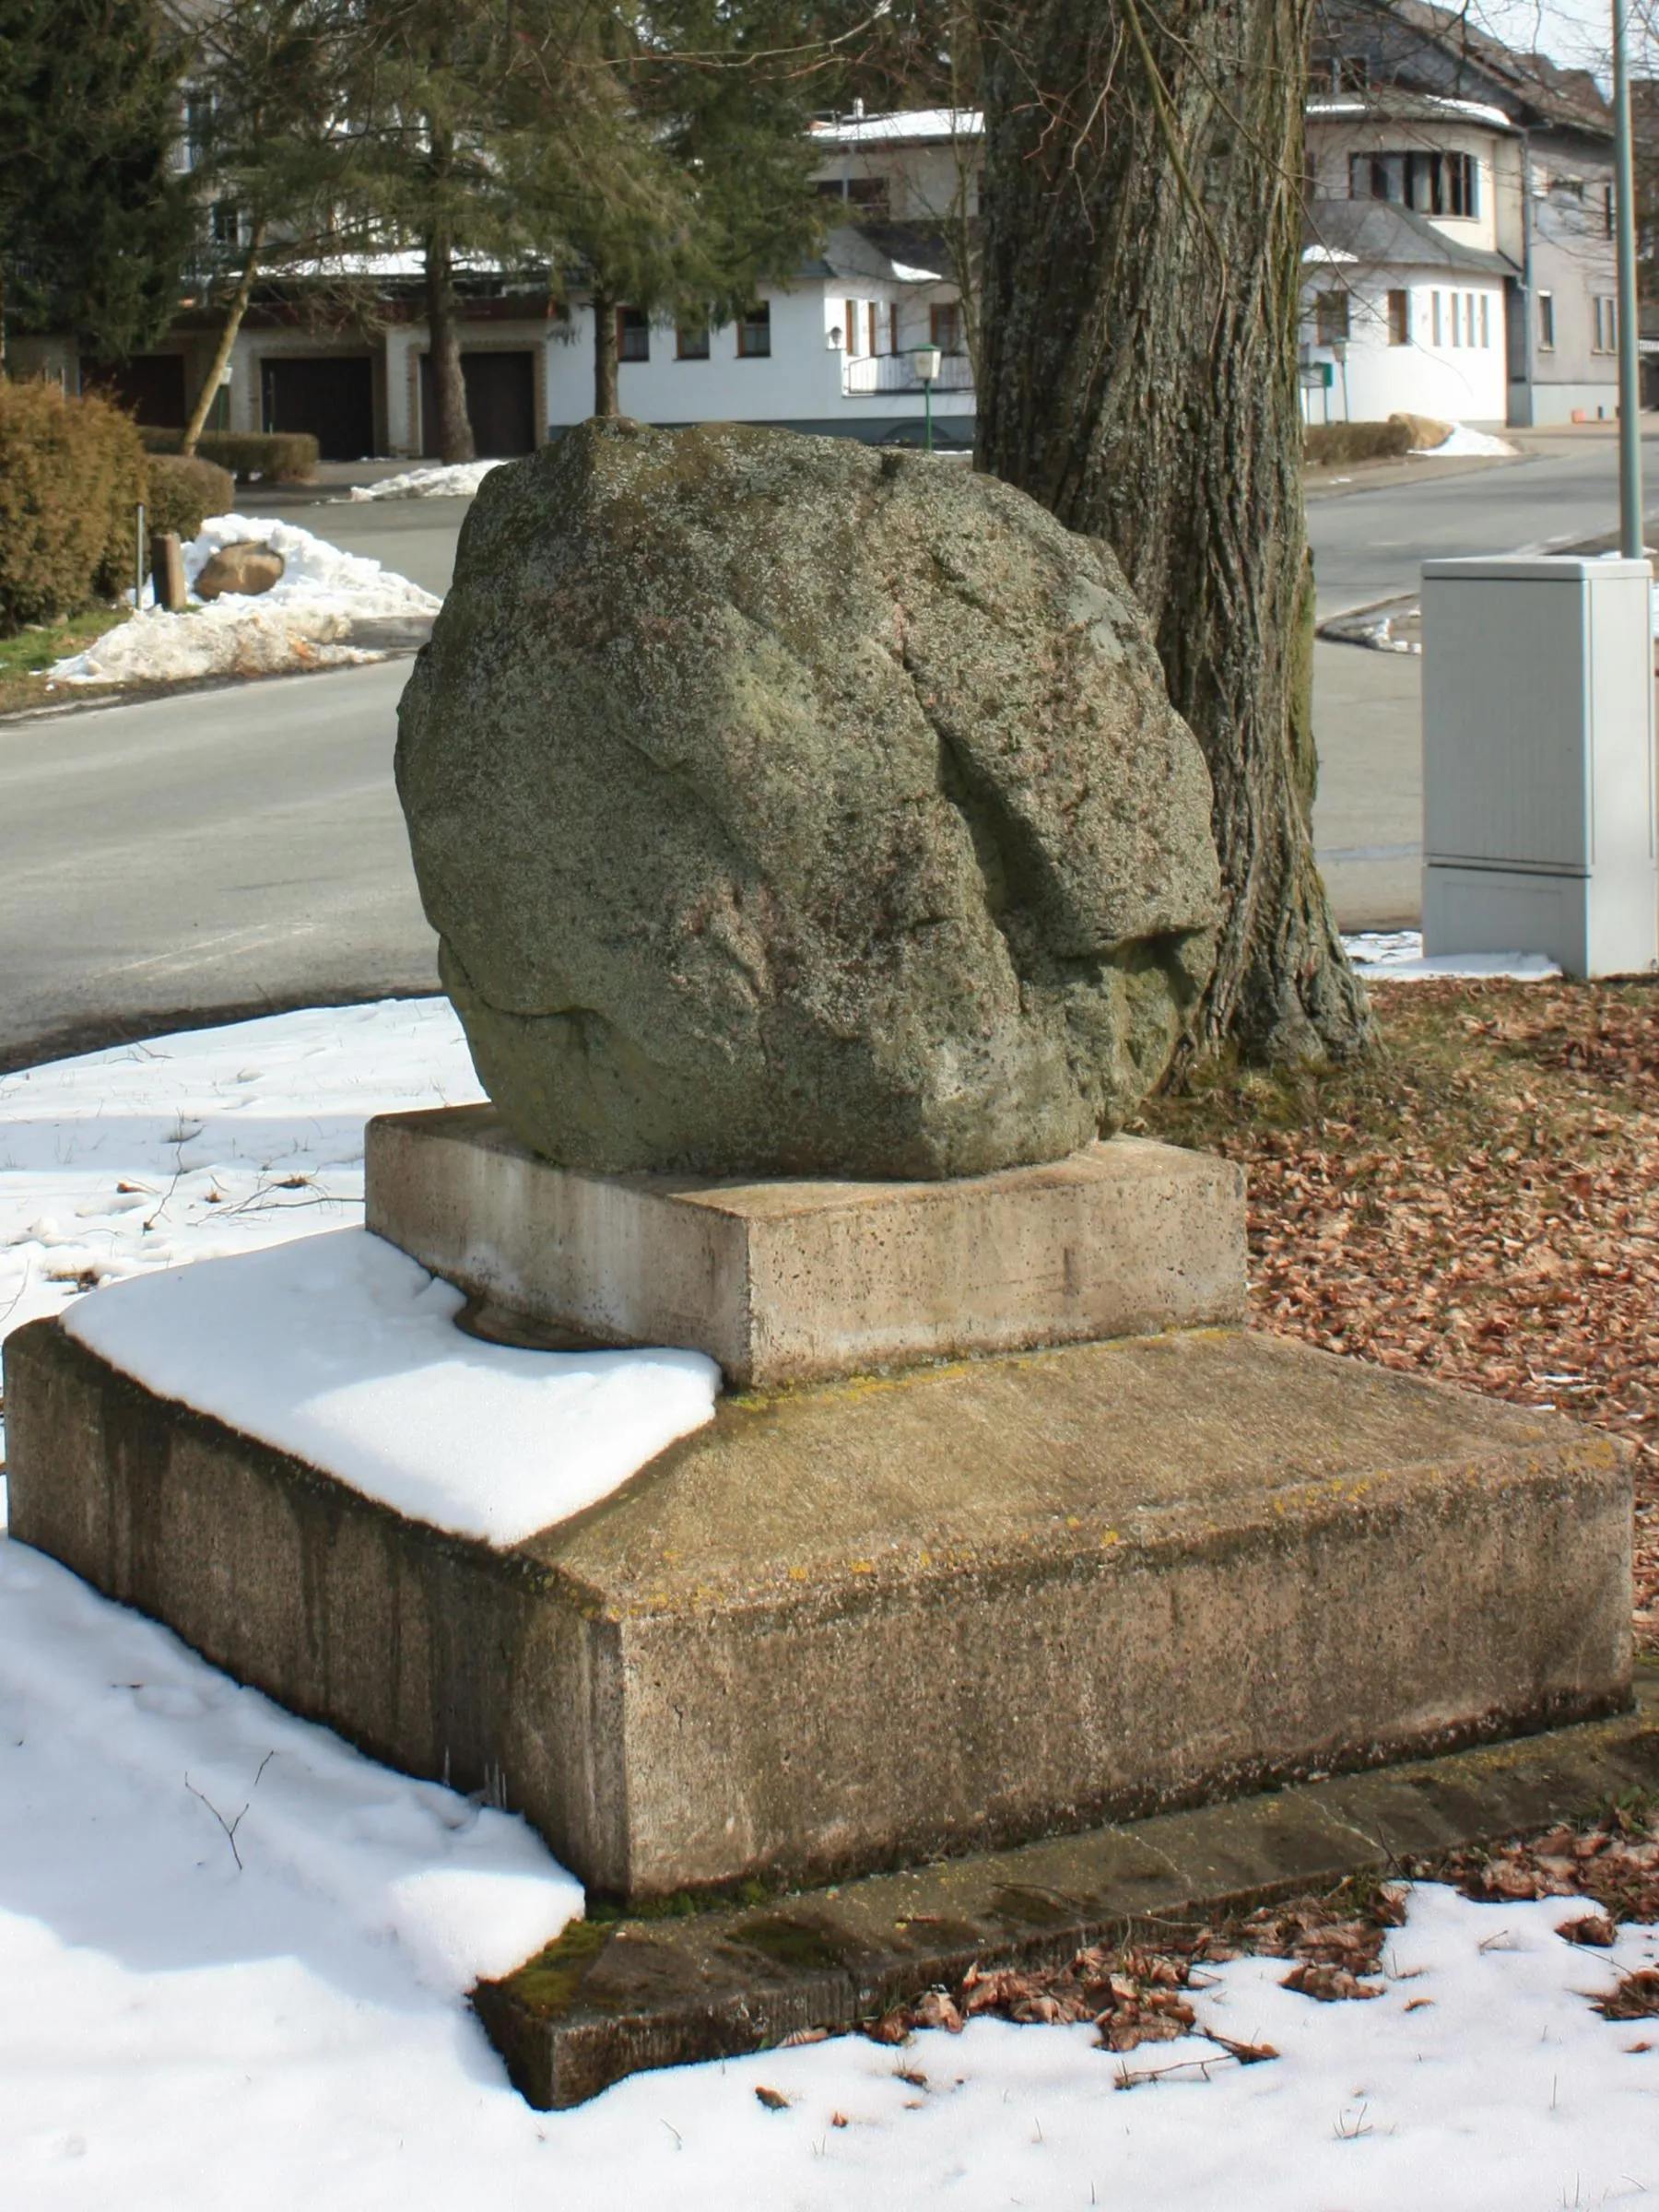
(786, 806)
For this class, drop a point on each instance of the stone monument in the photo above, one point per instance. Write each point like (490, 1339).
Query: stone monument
(823, 877)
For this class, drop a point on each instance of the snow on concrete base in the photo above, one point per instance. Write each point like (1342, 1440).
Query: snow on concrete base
(1397, 954)
(303, 621)
(344, 1351)
(459, 480)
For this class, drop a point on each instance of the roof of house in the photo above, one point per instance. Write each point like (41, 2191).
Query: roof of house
(1391, 103)
(1532, 89)
(1377, 234)
(911, 126)
(886, 251)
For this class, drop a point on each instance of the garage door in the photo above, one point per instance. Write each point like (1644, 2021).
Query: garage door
(151, 385)
(330, 397)
(500, 403)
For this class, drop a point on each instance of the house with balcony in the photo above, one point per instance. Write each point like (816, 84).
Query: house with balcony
(1458, 256)
(341, 350)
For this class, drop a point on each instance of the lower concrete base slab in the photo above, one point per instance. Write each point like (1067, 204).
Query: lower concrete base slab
(863, 1624)
(613, 1998)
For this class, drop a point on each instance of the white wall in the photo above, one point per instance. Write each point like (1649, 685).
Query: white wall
(799, 382)
(1455, 382)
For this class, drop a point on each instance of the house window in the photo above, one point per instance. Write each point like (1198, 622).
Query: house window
(869, 196)
(1434, 315)
(1607, 211)
(1430, 183)
(691, 342)
(1545, 322)
(1399, 318)
(754, 333)
(870, 327)
(850, 324)
(945, 326)
(226, 217)
(633, 334)
(1607, 324)
(1485, 318)
(893, 326)
(1331, 318)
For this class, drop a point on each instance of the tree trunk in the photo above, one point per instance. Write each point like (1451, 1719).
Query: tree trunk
(227, 340)
(449, 387)
(1142, 257)
(606, 382)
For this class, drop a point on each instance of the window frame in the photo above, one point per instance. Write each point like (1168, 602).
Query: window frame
(757, 319)
(633, 334)
(691, 342)
(1547, 322)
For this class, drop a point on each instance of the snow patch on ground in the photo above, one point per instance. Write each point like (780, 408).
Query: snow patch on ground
(459, 480)
(206, 1142)
(344, 1351)
(1466, 442)
(302, 622)
(1400, 952)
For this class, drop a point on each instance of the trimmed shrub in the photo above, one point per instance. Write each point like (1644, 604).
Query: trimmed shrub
(1336, 443)
(277, 456)
(72, 473)
(184, 493)
(1427, 432)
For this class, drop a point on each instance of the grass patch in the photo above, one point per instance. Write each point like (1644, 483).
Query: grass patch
(28, 653)
(1477, 1202)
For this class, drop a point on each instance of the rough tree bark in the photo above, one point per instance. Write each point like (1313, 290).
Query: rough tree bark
(1142, 240)
(234, 313)
(607, 378)
(453, 425)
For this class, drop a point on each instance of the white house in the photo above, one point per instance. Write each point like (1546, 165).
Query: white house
(1460, 202)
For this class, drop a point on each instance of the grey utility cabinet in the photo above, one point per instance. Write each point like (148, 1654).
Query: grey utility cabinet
(1539, 781)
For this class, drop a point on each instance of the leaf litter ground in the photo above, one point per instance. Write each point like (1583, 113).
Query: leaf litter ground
(1477, 1202)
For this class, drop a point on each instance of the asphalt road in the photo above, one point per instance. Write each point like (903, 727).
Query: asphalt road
(178, 860)
(239, 848)
(1368, 543)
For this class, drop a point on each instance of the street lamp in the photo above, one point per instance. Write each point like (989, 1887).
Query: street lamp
(925, 359)
(1624, 212)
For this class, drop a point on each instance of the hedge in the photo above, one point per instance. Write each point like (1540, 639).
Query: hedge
(184, 493)
(277, 456)
(72, 473)
(1334, 442)
(1340, 442)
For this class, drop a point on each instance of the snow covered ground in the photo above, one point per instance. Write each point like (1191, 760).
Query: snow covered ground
(305, 621)
(458, 480)
(1464, 441)
(233, 1952)
(1396, 953)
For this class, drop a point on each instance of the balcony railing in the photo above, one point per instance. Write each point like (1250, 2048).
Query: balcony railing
(872, 374)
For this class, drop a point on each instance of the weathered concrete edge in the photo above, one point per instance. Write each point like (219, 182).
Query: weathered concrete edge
(718, 1984)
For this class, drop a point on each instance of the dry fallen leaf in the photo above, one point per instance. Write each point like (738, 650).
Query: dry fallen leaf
(773, 2099)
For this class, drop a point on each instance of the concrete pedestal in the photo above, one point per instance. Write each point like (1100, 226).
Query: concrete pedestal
(787, 1281)
(856, 1624)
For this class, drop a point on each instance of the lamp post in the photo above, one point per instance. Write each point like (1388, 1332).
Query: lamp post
(1624, 213)
(926, 362)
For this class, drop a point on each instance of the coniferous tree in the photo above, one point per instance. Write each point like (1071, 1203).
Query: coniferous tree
(271, 161)
(95, 216)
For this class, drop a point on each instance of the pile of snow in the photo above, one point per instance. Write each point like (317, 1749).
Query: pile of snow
(299, 623)
(1390, 954)
(344, 1351)
(1464, 442)
(457, 481)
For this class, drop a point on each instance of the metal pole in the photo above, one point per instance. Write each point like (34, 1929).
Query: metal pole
(1624, 209)
(138, 570)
